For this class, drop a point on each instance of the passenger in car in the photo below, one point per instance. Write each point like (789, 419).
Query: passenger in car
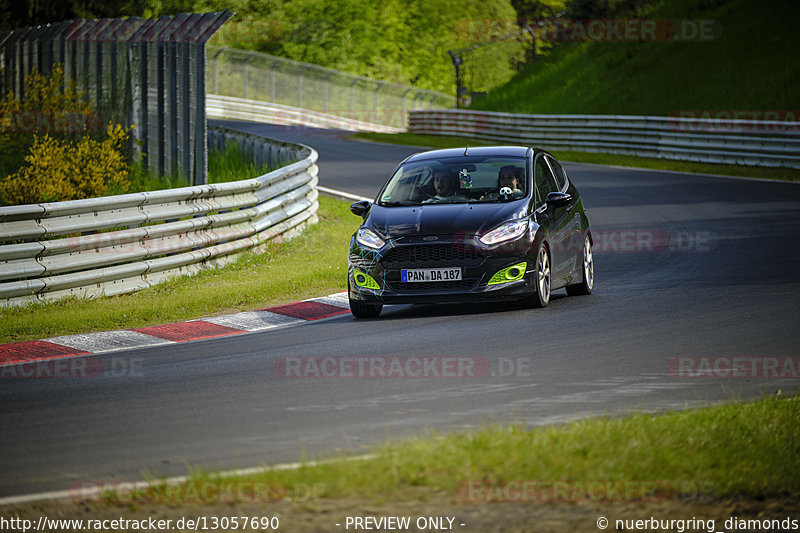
(508, 177)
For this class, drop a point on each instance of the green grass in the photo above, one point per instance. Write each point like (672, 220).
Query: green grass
(233, 164)
(750, 66)
(230, 164)
(444, 141)
(733, 449)
(312, 264)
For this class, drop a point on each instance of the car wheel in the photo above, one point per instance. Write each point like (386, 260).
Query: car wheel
(364, 310)
(542, 277)
(587, 277)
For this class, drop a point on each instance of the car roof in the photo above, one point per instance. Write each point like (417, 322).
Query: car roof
(509, 151)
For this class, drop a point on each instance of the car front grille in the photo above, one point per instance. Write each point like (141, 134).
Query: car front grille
(431, 255)
(361, 263)
(431, 286)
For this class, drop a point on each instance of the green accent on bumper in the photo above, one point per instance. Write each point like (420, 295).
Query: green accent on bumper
(512, 273)
(365, 280)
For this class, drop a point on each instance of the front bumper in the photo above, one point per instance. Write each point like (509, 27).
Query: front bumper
(478, 266)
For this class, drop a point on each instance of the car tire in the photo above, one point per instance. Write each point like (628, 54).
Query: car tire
(587, 272)
(543, 278)
(364, 310)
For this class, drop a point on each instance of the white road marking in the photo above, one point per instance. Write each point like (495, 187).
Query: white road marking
(105, 341)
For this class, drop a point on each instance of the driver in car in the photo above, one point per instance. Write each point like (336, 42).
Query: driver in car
(507, 178)
(445, 182)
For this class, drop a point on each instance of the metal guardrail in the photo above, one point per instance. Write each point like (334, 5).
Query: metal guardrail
(242, 109)
(744, 142)
(119, 244)
(262, 77)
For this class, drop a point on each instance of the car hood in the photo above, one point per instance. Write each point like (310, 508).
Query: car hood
(442, 219)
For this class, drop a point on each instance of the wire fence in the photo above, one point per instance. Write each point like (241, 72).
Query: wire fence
(266, 78)
(146, 73)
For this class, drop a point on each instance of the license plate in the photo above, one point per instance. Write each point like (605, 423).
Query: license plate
(411, 275)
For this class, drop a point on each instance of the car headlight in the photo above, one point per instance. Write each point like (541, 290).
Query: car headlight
(367, 237)
(505, 232)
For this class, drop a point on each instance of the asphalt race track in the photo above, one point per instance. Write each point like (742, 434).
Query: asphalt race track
(687, 267)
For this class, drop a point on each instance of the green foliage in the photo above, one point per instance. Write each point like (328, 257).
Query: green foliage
(21, 13)
(53, 146)
(50, 105)
(404, 41)
(233, 164)
(59, 170)
(749, 64)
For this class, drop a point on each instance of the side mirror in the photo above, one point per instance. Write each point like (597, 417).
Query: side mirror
(558, 199)
(360, 208)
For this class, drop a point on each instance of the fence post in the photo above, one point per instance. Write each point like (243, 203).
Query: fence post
(98, 72)
(200, 125)
(325, 92)
(186, 113)
(101, 58)
(375, 107)
(272, 81)
(161, 94)
(245, 81)
(403, 112)
(353, 98)
(144, 51)
(300, 86)
(216, 68)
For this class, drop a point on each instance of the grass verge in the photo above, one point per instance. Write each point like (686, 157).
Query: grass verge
(229, 164)
(739, 449)
(307, 266)
(444, 141)
(659, 76)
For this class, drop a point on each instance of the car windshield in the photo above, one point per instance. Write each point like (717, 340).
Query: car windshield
(456, 180)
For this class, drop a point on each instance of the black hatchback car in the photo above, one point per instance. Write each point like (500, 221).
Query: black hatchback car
(471, 224)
